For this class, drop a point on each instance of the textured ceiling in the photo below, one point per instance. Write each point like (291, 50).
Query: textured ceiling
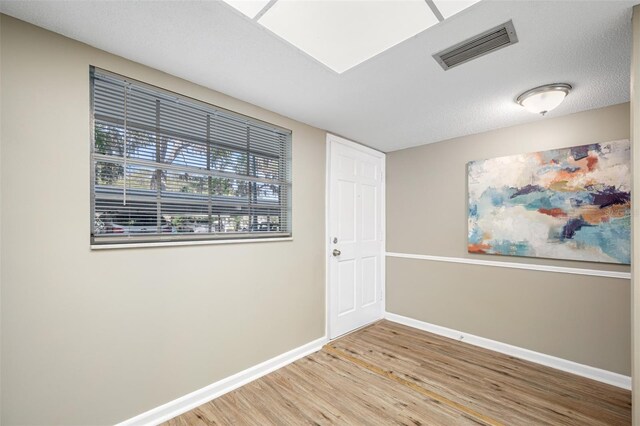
(398, 99)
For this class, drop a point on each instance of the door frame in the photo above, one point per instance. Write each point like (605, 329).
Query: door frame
(334, 139)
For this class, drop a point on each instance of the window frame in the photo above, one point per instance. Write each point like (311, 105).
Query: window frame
(284, 180)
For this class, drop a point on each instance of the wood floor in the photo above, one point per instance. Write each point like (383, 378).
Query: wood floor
(391, 374)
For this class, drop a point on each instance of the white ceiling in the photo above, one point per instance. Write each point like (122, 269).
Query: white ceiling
(398, 99)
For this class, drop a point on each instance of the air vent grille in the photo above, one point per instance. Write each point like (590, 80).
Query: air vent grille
(489, 41)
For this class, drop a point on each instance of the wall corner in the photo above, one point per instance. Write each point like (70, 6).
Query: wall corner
(635, 224)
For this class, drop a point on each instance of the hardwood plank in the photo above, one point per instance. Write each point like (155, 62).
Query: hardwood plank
(392, 374)
(511, 390)
(321, 390)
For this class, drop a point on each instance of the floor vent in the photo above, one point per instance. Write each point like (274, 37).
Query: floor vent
(489, 41)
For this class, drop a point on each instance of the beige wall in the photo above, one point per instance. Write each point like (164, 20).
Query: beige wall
(580, 318)
(96, 337)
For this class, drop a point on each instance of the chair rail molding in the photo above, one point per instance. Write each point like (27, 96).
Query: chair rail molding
(514, 265)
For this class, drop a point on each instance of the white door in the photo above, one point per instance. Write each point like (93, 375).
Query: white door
(356, 236)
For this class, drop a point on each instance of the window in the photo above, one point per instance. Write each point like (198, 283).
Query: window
(166, 167)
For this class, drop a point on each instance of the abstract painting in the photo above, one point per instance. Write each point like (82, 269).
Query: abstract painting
(571, 203)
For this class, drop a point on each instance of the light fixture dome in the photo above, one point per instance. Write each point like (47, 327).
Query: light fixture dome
(543, 99)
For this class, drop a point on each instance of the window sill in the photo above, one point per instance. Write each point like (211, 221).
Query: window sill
(187, 243)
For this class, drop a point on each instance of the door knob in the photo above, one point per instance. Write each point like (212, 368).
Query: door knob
(336, 252)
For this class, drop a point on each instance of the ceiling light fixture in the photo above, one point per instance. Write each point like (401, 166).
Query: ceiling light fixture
(344, 33)
(250, 8)
(542, 99)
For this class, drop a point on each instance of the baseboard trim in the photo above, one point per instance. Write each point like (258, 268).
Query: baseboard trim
(514, 265)
(594, 373)
(190, 401)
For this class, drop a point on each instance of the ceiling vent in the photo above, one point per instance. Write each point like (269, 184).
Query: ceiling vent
(489, 41)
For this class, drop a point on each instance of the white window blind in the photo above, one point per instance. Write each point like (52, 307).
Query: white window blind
(166, 167)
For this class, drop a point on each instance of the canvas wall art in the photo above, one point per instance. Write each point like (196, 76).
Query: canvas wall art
(572, 203)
